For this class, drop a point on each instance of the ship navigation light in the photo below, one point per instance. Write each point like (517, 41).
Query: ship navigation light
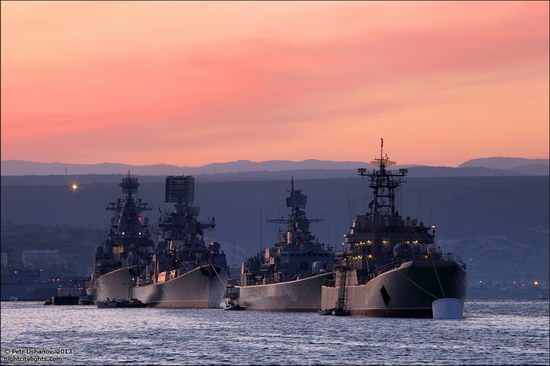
(74, 186)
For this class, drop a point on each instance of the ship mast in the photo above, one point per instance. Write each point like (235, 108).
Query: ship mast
(384, 183)
(127, 219)
(181, 191)
(298, 224)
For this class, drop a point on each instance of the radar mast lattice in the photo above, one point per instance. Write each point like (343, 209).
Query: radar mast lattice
(383, 182)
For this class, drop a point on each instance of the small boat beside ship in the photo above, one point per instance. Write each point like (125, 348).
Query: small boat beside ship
(390, 265)
(69, 292)
(85, 300)
(288, 276)
(119, 303)
(232, 305)
(67, 296)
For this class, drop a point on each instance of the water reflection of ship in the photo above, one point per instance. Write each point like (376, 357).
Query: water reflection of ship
(179, 272)
(289, 275)
(390, 265)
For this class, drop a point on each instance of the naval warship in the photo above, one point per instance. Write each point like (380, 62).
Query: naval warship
(287, 276)
(180, 271)
(128, 250)
(186, 273)
(390, 265)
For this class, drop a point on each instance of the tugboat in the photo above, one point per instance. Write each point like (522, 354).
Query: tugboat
(390, 265)
(185, 272)
(289, 275)
(85, 300)
(126, 254)
(231, 305)
(66, 296)
(120, 303)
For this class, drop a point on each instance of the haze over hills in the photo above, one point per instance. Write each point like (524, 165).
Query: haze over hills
(495, 218)
(520, 165)
(311, 168)
(498, 225)
(20, 167)
(502, 162)
(414, 172)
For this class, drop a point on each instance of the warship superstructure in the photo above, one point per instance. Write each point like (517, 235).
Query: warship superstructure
(390, 265)
(288, 276)
(180, 271)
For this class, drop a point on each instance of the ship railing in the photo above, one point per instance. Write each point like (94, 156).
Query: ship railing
(452, 257)
(270, 280)
(302, 276)
(385, 268)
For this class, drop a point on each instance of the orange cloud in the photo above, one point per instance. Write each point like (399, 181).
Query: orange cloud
(192, 83)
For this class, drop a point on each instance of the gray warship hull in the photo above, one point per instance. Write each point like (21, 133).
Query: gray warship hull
(200, 288)
(116, 284)
(407, 291)
(298, 295)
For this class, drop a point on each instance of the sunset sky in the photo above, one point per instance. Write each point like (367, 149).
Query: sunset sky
(190, 83)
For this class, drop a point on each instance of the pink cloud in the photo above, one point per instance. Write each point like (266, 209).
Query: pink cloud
(252, 88)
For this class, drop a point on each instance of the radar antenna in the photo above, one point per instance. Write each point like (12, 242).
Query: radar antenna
(180, 189)
(383, 182)
(129, 185)
(383, 161)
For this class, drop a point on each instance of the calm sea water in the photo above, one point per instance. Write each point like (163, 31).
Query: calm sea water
(503, 332)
